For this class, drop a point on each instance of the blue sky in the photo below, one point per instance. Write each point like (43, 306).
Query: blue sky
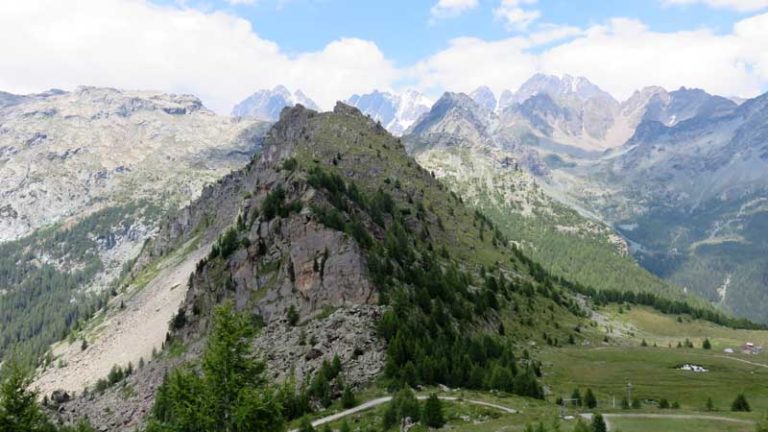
(405, 31)
(224, 50)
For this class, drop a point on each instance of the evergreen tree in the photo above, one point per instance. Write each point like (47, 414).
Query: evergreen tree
(19, 411)
(348, 398)
(706, 344)
(598, 423)
(576, 397)
(740, 404)
(433, 412)
(590, 400)
(710, 405)
(664, 403)
(229, 396)
(407, 405)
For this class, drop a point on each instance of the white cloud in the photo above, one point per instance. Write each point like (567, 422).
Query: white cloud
(240, 2)
(621, 56)
(739, 5)
(135, 44)
(452, 8)
(514, 15)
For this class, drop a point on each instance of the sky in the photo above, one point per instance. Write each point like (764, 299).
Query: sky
(224, 50)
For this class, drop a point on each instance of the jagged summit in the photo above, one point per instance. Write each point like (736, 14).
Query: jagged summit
(396, 111)
(267, 104)
(566, 86)
(485, 97)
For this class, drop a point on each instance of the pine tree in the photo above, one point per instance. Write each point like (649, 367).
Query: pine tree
(348, 398)
(706, 344)
(664, 403)
(19, 411)
(740, 404)
(230, 395)
(598, 423)
(710, 405)
(590, 400)
(433, 412)
(576, 398)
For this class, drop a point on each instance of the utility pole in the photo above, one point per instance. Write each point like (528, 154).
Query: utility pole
(629, 392)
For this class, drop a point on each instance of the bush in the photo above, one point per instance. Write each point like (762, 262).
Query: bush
(664, 403)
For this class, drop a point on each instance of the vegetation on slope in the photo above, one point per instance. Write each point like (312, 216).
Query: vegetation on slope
(566, 243)
(43, 278)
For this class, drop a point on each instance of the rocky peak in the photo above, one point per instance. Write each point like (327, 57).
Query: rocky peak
(267, 104)
(484, 97)
(346, 109)
(560, 87)
(396, 111)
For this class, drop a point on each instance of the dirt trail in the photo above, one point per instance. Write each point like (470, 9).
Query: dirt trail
(125, 335)
(382, 400)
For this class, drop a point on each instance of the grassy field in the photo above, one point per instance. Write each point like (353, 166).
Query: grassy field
(676, 425)
(654, 371)
(667, 329)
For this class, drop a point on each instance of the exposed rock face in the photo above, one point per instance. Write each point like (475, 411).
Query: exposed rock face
(67, 154)
(484, 97)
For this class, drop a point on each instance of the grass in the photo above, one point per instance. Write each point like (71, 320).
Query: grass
(677, 425)
(666, 329)
(653, 371)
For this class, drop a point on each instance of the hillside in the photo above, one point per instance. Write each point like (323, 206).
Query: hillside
(461, 147)
(335, 223)
(679, 175)
(84, 178)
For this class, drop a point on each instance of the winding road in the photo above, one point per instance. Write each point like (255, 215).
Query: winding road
(382, 400)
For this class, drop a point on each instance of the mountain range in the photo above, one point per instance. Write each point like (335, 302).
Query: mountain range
(457, 254)
(680, 175)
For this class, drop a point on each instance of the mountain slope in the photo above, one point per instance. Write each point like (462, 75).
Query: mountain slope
(691, 197)
(84, 178)
(492, 175)
(334, 222)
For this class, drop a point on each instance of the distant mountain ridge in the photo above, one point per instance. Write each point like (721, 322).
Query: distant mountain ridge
(267, 104)
(681, 174)
(396, 111)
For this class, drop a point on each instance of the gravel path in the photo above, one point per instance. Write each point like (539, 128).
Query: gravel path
(382, 400)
